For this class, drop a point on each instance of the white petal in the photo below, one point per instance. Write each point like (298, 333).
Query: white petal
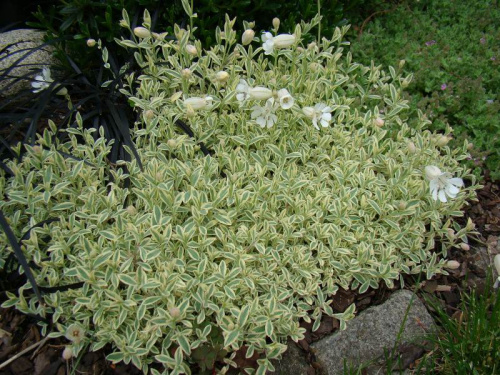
(267, 36)
(324, 123)
(433, 185)
(442, 196)
(456, 181)
(451, 190)
(327, 117)
(271, 120)
(261, 121)
(326, 109)
(241, 97)
(257, 111)
(319, 107)
(315, 123)
(268, 47)
(434, 193)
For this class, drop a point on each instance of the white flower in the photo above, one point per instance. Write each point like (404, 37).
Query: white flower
(198, 103)
(269, 42)
(286, 100)
(264, 116)
(496, 262)
(91, 42)
(43, 82)
(245, 92)
(321, 113)
(75, 333)
(442, 184)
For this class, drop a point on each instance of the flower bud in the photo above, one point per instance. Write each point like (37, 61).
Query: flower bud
(442, 141)
(131, 210)
(402, 205)
(378, 122)
(172, 143)
(464, 246)
(300, 49)
(174, 312)
(308, 111)
(149, 114)
(259, 93)
(284, 40)
(191, 50)
(142, 32)
(186, 73)
(451, 233)
(196, 103)
(276, 23)
(311, 46)
(470, 224)
(124, 23)
(452, 265)
(91, 42)
(432, 172)
(247, 37)
(470, 146)
(67, 353)
(190, 111)
(401, 63)
(412, 148)
(222, 76)
(314, 66)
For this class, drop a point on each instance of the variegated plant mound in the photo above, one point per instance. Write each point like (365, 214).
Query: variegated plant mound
(314, 188)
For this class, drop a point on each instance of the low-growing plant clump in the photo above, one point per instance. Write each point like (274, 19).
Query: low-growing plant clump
(267, 176)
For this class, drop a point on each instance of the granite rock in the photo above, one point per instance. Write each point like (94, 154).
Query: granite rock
(373, 334)
(15, 45)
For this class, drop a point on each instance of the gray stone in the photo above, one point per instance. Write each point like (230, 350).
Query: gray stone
(14, 45)
(374, 332)
(293, 362)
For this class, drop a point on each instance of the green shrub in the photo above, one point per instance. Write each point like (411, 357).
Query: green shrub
(231, 234)
(452, 49)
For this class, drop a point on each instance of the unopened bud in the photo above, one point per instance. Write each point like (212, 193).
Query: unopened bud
(37, 150)
(189, 111)
(401, 63)
(123, 23)
(222, 76)
(452, 265)
(142, 32)
(91, 42)
(174, 312)
(412, 148)
(172, 143)
(186, 73)
(300, 49)
(131, 210)
(451, 233)
(159, 176)
(276, 23)
(149, 114)
(464, 246)
(67, 353)
(191, 50)
(402, 205)
(308, 111)
(470, 225)
(311, 46)
(247, 37)
(314, 66)
(470, 146)
(160, 36)
(378, 122)
(442, 141)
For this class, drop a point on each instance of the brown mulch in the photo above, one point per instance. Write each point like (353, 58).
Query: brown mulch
(19, 331)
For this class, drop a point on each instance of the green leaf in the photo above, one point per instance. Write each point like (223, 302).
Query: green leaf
(231, 338)
(126, 279)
